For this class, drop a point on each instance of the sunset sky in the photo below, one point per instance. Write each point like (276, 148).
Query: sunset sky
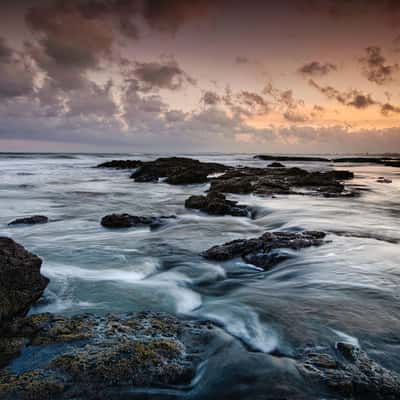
(296, 76)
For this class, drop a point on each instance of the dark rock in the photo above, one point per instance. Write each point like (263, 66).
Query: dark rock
(177, 170)
(270, 181)
(21, 283)
(128, 221)
(121, 164)
(276, 165)
(263, 251)
(350, 373)
(87, 355)
(35, 219)
(289, 158)
(216, 204)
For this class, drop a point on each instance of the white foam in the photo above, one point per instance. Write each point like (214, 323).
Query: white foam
(132, 274)
(347, 338)
(244, 324)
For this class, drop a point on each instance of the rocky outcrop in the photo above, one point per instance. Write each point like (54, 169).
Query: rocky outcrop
(349, 372)
(35, 219)
(121, 164)
(99, 357)
(266, 250)
(127, 221)
(21, 282)
(266, 157)
(177, 171)
(216, 204)
(276, 165)
(386, 161)
(270, 181)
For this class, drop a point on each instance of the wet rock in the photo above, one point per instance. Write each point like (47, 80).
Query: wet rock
(177, 170)
(276, 165)
(349, 372)
(21, 282)
(266, 157)
(106, 354)
(121, 164)
(270, 181)
(265, 251)
(128, 221)
(35, 219)
(382, 179)
(216, 204)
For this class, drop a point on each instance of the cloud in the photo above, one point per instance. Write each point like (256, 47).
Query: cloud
(317, 69)
(396, 44)
(161, 75)
(241, 60)
(170, 15)
(293, 116)
(353, 98)
(375, 67)
(16, 74)
(210, 98)
(388, 108)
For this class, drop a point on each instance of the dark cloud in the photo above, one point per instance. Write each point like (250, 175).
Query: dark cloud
(350, 8)
(16, 74)
(210, 98)
(296, 117)
(161, 75)
(375, 67)
(315, 68)
(241, 60)
(353, 98)
(396, 44)
(387, 109)
(250, 103)
(5, 51)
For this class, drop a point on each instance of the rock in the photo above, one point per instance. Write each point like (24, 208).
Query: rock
(121, 164)
(177, 170)
(276, 165)
(35, 219)
(382, 179)
(349, 372)
(102, 356)
(216, 204)
(289, 158)
(21, 283)
(128, 221)
(264, 251)
(270, 181)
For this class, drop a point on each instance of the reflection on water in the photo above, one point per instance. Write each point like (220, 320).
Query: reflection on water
(347, 289)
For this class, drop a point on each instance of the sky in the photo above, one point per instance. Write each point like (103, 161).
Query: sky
(294, 76)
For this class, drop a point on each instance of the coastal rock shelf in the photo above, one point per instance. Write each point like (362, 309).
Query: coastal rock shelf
(94, 356)
(216, 204)
(49, 356)
(266, 250)
(276, 179)
(386, 161)
(21, 282)
(124, 220)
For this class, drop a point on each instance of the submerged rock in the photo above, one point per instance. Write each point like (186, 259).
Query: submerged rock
(128, 221)
(177, 170)
(21, 282)
(35, 219)
(276, 165)
(121, 164)
(263, 251)
(266, 157)
(269, 181)
(216, 204)
(349, 372)
(96, 357)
